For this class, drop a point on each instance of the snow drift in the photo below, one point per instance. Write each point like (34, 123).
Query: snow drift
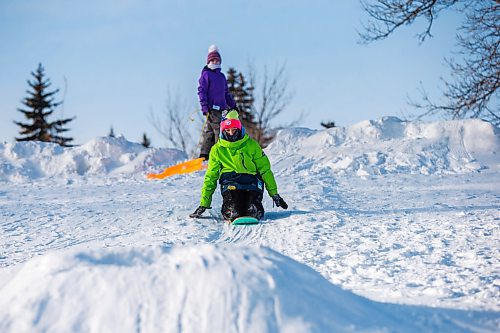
(102, 156)
(385, 146)
(395, 211)
(392, 146)
(196, 289)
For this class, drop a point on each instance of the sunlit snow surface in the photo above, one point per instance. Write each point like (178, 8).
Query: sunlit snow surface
(392, 227)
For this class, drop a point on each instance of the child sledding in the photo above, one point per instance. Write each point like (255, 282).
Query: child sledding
(242, 169)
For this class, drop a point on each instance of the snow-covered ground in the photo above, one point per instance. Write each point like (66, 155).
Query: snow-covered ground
(393, 227)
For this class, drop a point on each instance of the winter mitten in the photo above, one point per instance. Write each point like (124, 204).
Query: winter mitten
(279, 202)
(198, 212)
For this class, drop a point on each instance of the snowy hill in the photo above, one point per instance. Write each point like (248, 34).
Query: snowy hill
(197, 289)
(387, 145)
(104, 156)
(390, 145)
(393, 227)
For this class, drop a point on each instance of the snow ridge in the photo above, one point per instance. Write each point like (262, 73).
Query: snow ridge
(384, 146)
(392, 146)
(186, 289)
(102, 156)
(384, 211)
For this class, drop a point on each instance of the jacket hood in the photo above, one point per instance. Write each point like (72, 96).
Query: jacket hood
(235, 144)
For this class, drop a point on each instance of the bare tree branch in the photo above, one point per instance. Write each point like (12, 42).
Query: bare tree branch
(271, 99)
(176, 123)
(475, 81)
(389, 15)
(475, 78)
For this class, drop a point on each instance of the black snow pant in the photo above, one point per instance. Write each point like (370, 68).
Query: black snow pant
(241, 195)
(237, 203)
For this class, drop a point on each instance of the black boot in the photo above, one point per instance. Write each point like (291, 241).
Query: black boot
(254, 211)
(229, 210)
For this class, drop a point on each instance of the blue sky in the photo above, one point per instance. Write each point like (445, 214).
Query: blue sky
(120, 58)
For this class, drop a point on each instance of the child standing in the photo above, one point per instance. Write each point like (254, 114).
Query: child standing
(214, 99)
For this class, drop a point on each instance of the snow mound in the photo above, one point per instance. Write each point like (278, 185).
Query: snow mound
(25, 161)
(373, 147)
(391, 146)
(204, 288)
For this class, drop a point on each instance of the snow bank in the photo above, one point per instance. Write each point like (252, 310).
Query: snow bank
(387, 145)
(203, 288)
(24, 161)
(405, 239)
(391, 146)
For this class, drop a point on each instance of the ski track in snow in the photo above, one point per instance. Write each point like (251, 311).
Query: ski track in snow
(419, 249)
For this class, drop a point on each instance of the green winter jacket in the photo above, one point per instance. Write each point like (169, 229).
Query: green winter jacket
(242, 156)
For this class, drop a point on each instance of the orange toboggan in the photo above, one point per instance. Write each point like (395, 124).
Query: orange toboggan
(179, 169)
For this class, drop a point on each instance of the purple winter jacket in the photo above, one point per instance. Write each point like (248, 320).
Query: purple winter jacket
(213, 92)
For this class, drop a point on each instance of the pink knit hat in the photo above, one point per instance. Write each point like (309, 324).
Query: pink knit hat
(213, 53)
(230, 123)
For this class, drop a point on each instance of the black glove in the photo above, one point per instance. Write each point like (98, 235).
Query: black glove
(197, 213)
(279, 202)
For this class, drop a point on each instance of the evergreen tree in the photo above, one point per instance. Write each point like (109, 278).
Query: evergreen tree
(243, 96)
(111, 132)
(39, 105)
(146, 142)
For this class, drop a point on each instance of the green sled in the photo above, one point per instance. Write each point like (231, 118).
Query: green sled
(245, 220)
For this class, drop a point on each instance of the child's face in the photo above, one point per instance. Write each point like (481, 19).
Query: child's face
(215, 61)
(231, 131)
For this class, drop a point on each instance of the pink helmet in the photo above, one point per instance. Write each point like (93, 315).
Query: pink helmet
(230, 123)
